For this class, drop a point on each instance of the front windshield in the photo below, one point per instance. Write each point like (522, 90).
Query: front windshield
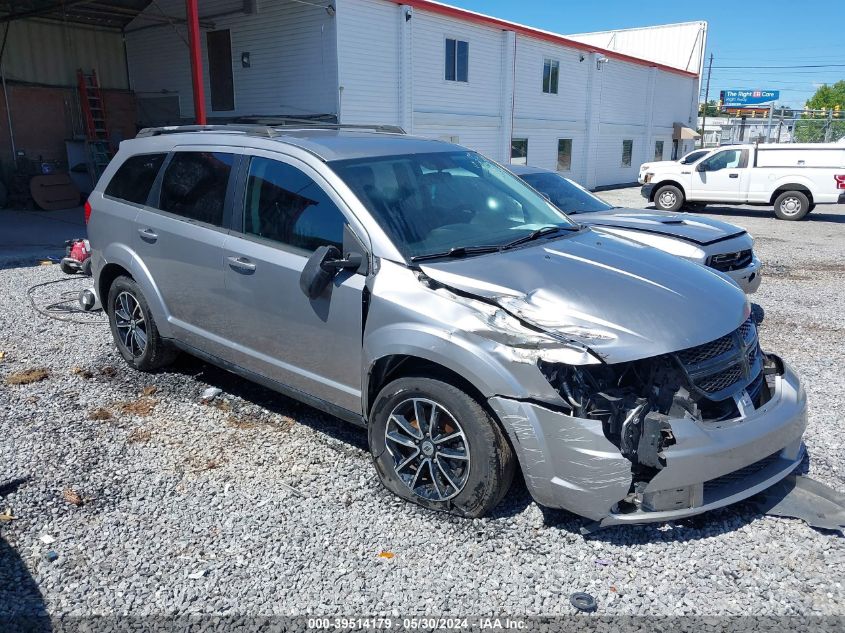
(433, 203)
(564, 194)
(694, 156)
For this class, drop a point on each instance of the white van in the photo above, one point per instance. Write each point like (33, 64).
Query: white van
(793, 178)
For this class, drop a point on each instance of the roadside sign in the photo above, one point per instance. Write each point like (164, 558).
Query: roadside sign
(745, 98)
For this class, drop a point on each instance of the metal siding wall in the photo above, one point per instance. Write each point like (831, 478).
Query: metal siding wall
(292, 50)
(368, 61)
(49, 53)
(676, 45)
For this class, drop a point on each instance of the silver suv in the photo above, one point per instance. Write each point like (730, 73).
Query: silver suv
(420, 290)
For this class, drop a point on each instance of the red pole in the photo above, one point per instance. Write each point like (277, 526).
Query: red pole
(193, 17)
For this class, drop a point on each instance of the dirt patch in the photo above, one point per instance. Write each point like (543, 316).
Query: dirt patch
(27, 376)
(149, 390)
(247, 421)
(100, 414)
(108, 371)
(82, 372)
(72, 497)
(142, 406)
(221, 405)
(139, 436)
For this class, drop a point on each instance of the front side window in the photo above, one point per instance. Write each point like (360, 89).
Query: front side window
(658, 150)
(519, 151)
(431, 203)
(194, 185)
(565, 194)
(551, 70)
(285, 205)
(457, 60)
(564, 154)
(134, 178)
(627, 152)
(728, 159)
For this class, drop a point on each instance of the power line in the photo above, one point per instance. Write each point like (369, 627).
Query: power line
(795, 66)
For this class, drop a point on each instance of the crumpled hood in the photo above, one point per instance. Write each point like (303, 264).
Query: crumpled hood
(695, 229)
(623, 300)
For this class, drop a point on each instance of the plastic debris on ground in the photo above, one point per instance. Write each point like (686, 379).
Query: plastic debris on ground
(583, 601)
(800, 497)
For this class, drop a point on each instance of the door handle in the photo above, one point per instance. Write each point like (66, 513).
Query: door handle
(148, 235)
(241, 264)
(733, 175)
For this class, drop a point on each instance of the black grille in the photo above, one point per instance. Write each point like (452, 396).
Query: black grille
(701, 353)
(722, 368)
(726, 262)
(721, 380)
(742, 474)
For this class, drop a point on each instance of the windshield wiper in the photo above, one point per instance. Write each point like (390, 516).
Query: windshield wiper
(457, 251)
(543, 231)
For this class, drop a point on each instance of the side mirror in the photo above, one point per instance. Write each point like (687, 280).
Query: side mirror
(322, 267)
(701, 167)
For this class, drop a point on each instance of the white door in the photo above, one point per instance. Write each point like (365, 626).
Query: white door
(720, 177)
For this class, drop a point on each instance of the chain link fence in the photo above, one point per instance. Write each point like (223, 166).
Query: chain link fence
(784, 126)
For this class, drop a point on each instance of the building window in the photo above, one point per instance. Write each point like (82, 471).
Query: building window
(627, 152)
(658, 150)
(551, 70)
(457, 60)
(519, 151)
(564, 154)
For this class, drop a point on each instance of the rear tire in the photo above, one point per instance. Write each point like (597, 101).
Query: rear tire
(792, 205)
(416, 460)
(669, 198)
(133, 328)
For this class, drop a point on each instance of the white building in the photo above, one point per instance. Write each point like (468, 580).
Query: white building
(495, 86)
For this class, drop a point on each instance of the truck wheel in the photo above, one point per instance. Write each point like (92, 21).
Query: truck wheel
(435, 445)
(669, 198)
(792, 205)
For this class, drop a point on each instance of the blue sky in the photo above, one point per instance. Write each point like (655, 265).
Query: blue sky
(771, 33)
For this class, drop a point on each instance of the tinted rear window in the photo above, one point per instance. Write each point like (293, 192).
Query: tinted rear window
(194, 185)
(134, 178)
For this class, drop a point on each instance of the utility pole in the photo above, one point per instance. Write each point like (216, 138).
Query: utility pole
(706, 98)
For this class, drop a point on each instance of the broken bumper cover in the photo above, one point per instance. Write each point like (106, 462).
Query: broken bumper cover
(568, 463)
(748, 278)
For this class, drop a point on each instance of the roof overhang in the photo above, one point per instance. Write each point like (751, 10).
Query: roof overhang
(680, 132)
(114, 14)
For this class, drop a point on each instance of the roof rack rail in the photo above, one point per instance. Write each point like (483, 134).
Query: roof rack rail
(267, 130)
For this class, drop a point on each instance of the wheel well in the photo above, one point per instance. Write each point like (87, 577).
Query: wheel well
(784, 188)
(389, 368)
(657, 187)
(108, 274)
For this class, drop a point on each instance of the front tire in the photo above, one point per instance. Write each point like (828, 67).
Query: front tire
(436, 446)
(792, 205)
(669, 198)
(133, 328)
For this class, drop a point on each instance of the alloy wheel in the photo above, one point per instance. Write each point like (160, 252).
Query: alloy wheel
(130, 323)
(429, 449)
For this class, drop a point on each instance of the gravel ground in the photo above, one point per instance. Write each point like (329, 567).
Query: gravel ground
(254, 504)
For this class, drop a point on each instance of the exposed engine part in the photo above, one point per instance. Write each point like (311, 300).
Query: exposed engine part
(636, 401)
(757, 313)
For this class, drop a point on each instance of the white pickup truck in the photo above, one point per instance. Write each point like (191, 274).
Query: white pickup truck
(792, 178)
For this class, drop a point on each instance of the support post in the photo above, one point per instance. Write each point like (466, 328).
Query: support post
(192, 15)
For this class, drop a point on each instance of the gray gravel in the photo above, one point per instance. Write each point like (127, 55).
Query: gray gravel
(254, 504)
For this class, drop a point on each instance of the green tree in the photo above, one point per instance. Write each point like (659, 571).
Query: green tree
(709, 110)
(813, 128)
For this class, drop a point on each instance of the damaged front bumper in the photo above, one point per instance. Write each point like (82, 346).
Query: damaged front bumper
(569, 463)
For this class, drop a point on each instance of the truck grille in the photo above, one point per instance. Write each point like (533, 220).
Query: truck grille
(724, 367)
(726, 262)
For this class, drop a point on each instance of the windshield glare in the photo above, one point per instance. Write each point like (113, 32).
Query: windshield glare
(566, 195)
(431, 203)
